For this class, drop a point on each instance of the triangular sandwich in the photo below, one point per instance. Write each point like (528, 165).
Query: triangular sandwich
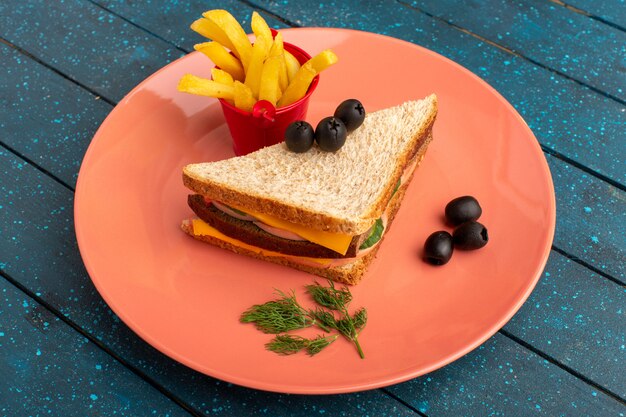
(321, 212)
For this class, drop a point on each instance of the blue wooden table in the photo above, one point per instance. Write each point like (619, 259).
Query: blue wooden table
(64, 64)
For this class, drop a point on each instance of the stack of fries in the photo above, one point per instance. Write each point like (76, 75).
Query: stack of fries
(248, 72)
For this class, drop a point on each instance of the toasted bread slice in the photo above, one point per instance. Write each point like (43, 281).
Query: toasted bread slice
(340, 192)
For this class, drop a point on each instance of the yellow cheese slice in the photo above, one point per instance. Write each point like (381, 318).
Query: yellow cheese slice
(338, 242)
(200, 228)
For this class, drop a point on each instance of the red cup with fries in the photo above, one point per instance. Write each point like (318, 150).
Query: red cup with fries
(265, 125)
(263, 86)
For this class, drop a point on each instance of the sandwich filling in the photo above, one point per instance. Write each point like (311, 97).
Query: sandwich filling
(270, 236)
(291, 231)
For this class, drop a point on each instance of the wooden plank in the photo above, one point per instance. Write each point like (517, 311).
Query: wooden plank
(171, 19)
(577, 317)
(56, 272)
(501, 378)
(97, 316)
(546, 33)
(45, 116)
(566, 116)
(84, 42)
(48, 368)
(591, 215)
(613, 11)
(38, 249)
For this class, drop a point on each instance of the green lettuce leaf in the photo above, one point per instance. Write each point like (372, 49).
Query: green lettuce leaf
(375, 235)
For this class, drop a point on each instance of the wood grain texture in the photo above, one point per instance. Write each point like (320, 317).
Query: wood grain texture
(501, 378)
(613, 11)
(50, 369)
(84, 42)
(170, 19)
(567, 117)
(45, 116)
(573, 316)
(577, 317)
(547, 33)
(591, 215)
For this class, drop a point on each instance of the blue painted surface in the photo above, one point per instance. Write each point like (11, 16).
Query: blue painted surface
(50, 369)
(578, 318)
(84, 42)
(591, 219)
(574, 318)
(170, 19)
(46, 117)
(547, 33)
(527, 385)
(613, 11)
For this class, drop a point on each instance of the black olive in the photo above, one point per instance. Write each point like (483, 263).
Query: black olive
(299, 136)
(330, 134)
(438, 248)
(470, 235)
(463, 209)
(351, 112)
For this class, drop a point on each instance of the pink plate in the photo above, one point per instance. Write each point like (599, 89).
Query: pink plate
(185, 297)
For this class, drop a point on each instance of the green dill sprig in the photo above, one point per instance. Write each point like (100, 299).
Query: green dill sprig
(288, 344)
(338, 299)
(284, 314)
(316, 345)
(278, 316)
(359, 319)
(324, 317)
(330, 297)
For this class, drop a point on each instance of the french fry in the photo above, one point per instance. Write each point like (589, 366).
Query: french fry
(222, 59)
(298, 86)
(259, 26)
(221, 76)
(270, 87)
(292, 65)
(277, 50)
(201, 86)
(253, 73)
(244, 99)
(242, 48)
(210, 30)
(322, 60)
(277, 47)
(283, 78)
